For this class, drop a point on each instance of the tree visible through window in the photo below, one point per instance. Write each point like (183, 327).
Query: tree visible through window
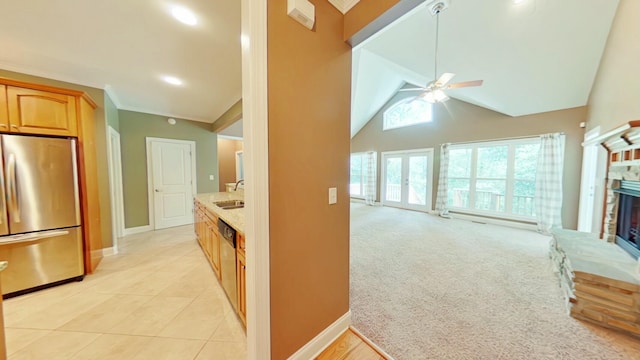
(356, 184)
(407, 112)
(494, 177)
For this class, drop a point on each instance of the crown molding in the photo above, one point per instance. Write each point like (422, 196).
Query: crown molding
(344, 5)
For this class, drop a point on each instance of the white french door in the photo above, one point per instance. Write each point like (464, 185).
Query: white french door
(171, 181)
(407, 179)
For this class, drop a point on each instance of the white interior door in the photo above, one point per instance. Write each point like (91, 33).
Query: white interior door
(407, 179)
(172, 181)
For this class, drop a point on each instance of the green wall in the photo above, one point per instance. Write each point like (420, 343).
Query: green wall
(135, 127)
(101, 143)
(111, 113)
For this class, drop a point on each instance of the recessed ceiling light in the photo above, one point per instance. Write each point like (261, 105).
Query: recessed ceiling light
(172, 80)
(184, 15)
(518, 1)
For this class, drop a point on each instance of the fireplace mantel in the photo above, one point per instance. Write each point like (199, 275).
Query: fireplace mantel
(622, 144)
(623, 147)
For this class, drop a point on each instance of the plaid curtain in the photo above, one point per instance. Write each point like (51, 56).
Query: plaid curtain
(548, 198)
(370, 178)
(443, 182)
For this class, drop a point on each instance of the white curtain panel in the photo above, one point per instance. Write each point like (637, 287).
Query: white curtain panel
(370, 178)
(548, 198)
(443, 182)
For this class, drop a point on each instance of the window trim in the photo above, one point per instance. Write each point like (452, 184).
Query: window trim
(509, 179)
(405, 101)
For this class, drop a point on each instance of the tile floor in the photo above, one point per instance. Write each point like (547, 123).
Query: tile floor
(156, 299)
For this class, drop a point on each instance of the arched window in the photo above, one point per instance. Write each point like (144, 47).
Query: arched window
(407, 112)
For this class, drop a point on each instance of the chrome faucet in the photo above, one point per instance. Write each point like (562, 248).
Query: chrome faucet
(238, 183)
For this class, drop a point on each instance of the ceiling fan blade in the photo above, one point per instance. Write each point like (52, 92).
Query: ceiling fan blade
(465, 84)
(413, 89)
(444, 79)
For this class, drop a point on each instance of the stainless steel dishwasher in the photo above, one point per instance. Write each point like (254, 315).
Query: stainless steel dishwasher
(228, 261)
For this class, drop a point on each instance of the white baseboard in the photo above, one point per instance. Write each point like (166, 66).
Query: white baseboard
(480, 219)
(137, 230)
(362, 201)
(314, 347)
(109, 251)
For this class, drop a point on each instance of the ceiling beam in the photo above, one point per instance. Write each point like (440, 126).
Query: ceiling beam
(233, 114)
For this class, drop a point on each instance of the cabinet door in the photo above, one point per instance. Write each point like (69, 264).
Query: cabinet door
(41, 112)
(213, 246)
(240, 242)
(4, 111)
(241, 271)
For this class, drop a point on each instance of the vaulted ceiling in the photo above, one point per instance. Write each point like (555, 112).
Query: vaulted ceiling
(537, 56)
(534, 56)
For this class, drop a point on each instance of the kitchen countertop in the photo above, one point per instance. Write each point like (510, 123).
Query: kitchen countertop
(233, 217)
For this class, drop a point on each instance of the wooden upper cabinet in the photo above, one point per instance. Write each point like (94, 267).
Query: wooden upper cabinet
(4, 112)
(41, 112)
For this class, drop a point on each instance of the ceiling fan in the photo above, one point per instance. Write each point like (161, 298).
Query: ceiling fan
(434, 91)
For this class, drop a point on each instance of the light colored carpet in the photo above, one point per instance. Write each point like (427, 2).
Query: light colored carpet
(424, 287)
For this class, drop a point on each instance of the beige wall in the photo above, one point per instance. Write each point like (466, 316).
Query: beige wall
(134, 128)
(309, 77)
(615, 97)
(227, 161)
(457, 121)
(101, 143)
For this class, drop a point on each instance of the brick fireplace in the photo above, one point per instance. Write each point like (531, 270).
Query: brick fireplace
(597, 274)
(623, 181)
(623, 177)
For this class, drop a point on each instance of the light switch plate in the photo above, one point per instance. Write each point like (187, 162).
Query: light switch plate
(333, 195)
(210, 177)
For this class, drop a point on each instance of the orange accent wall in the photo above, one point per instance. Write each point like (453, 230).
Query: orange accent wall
(309, 87)
(227, 161)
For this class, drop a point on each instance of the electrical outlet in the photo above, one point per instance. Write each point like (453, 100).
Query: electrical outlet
(333, 195)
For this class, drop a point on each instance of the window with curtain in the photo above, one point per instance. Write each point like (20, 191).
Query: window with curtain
(362, 175)
(494, 178)
(407, 112)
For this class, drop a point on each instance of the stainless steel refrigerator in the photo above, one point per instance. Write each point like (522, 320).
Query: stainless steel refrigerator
(40, 232)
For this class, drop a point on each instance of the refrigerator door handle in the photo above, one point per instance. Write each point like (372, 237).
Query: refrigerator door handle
(25, 238)
(14, 207)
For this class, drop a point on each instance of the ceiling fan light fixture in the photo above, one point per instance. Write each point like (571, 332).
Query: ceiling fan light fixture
(439, 96)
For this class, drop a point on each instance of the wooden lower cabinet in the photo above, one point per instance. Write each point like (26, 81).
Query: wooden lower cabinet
(213, 242)
(206, 229)
(241, 274)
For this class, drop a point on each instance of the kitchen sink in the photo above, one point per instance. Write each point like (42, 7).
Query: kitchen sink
(229, 204)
